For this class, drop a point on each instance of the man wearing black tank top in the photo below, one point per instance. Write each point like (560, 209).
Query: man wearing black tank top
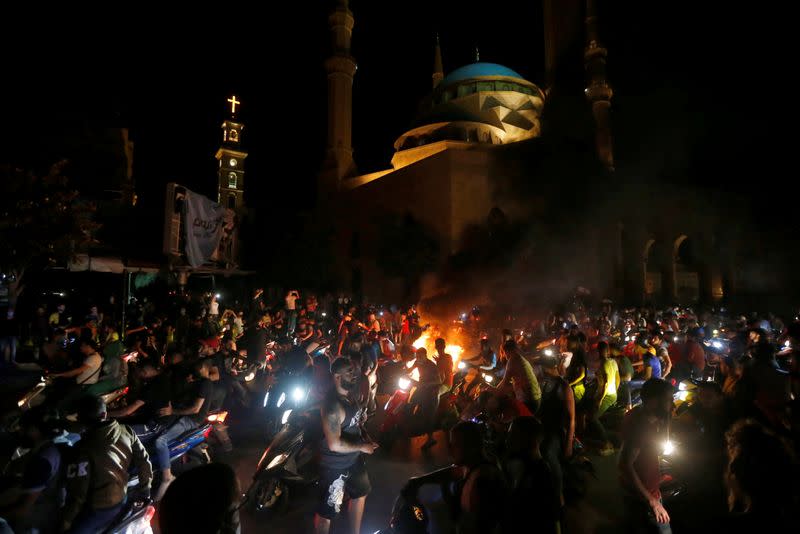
(342, 467)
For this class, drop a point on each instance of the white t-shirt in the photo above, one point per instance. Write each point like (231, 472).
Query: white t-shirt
(92, 374)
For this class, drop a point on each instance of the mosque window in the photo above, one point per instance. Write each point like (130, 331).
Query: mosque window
(232, 180)
(506, 87)
(485, 86)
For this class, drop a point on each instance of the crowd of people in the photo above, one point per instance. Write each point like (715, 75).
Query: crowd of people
(577, 381)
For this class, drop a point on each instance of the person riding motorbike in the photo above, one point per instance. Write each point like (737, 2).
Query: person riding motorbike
(473, 487)
(31, 495)
(427, 394)
(97, 475)
(486, 359)
(519, 380)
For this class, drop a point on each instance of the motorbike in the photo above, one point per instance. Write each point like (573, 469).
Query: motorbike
(134, 519)
(188, 450)
(408, 517)
(289, 460)
(285, 393)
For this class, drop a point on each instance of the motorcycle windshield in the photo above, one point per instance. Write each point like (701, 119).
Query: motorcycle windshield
(285, 440)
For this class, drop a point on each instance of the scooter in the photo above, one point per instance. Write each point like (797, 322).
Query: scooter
(289, 460)
(188, 450)
(134, 519)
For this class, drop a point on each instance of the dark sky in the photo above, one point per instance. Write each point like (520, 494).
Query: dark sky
(699, 93)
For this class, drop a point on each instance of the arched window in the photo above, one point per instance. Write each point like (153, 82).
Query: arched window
(232, 180)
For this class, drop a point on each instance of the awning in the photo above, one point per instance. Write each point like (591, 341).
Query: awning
(105, 264)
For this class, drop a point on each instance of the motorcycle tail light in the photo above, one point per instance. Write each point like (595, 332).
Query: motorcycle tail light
(217, 417)
(149, 513)
(207, 431)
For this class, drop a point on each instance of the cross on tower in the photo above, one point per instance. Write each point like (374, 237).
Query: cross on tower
(233, 102)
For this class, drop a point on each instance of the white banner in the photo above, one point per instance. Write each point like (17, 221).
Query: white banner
(204, 221)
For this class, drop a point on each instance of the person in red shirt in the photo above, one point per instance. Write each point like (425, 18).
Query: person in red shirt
(643, 436)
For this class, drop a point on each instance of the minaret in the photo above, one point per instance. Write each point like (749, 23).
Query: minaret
(341, 68)
(230, 187)
(438, 70)
(598, 91)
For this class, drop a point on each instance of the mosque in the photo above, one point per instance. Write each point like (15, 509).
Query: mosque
(479, 135)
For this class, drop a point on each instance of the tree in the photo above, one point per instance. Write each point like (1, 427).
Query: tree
(43, 222)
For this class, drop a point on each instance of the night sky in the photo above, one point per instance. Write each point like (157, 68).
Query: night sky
(700, 96)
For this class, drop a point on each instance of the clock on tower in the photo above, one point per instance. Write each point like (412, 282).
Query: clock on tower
(230, 190)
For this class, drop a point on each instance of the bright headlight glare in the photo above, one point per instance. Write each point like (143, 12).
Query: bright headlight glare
(682, 386)
(281, 399)
(285, 417)
(21, 403)
(249, 377)
(298, 394)
(683, 395)
(462, 365)
(488, 378)
(716, 344)
(668, 448)
(548, 352)
(404, 383)
(278, 460)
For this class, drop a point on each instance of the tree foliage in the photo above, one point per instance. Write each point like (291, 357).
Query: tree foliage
(43, 221)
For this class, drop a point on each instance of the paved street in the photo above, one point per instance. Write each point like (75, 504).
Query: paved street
(598, 513)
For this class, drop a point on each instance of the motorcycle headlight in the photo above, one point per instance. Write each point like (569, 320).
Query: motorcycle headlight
(404, 383)
(250, 377)
(683, 395)
(683, 386)
(489, 378)
(462, 365)
(548, 352)
(667, 448)
(278, 460)
(716, 344)
(281, 399)
(285, 417)
(298, 394)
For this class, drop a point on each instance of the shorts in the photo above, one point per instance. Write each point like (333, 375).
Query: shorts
(334, 484)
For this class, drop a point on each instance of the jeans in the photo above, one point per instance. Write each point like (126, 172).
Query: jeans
(552, 452)
(170, 434)
(639, 518)
(594, 425)
(92, 521)
(291, 320)
(8, 345)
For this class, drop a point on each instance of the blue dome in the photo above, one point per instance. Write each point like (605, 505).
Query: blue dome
(475, 70)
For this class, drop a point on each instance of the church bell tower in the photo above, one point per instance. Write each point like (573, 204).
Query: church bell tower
(230, 187)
